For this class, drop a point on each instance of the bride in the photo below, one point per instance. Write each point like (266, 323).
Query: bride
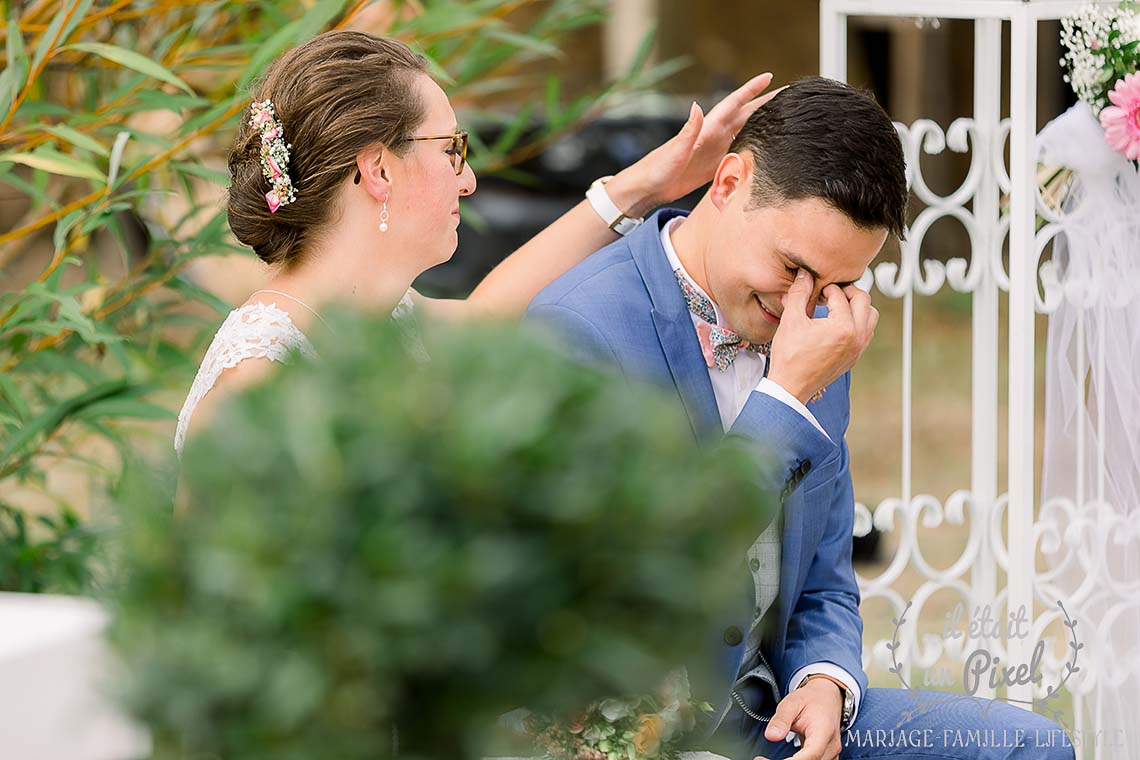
(346, 176)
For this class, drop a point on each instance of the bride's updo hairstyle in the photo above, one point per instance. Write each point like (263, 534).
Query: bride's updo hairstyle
(334, 96)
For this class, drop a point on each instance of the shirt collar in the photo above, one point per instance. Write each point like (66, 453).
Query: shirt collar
(675, 263)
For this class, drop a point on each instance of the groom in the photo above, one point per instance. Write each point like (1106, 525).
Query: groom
(747, 308)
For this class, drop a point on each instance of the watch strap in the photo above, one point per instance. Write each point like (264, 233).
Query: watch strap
(614, 217)
(848, 697)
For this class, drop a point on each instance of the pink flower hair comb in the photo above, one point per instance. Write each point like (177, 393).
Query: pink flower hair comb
(274, 155)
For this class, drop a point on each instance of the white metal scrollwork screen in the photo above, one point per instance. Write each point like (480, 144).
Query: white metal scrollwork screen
(1067, 559)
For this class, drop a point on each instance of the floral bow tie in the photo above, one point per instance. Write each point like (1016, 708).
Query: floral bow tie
(719, 344)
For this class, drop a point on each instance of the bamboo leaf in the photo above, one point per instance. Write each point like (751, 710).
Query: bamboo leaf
(14, 45)
(195, 293)
(132, 60)
(53, 29)
(12, 80)
(438, 72)
(644, 48)
(54, 162)
(313, 21)
(319, 16)
(553, 98)
(510, 136)
(50, 419)
(66, 19)
(63, 226)
(30, 189)
(204, 172)
(117, 157)
(660, 72)
(525, 42)
(11, 392)
(76, 138)
(125, 408)
(15, 74)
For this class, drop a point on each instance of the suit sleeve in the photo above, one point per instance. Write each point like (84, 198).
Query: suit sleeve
(825, 625)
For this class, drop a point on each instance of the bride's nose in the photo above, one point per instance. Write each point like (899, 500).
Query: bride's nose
(467, 181)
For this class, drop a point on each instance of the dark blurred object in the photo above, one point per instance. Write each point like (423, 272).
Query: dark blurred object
(513, 212)
(866, 548)
(370, 544)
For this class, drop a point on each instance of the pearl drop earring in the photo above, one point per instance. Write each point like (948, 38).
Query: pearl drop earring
(384, 216)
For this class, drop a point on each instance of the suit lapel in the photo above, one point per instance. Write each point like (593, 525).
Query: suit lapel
(675, 327)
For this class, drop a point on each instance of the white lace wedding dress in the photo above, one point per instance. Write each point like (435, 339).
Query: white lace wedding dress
(256, 331)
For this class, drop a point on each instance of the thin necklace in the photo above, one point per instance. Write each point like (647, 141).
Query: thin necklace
(298, 300)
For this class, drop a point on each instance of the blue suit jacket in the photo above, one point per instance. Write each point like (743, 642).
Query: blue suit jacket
(622, 306)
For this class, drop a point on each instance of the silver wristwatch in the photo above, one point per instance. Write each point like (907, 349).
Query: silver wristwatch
(848, 709)
(848, 700)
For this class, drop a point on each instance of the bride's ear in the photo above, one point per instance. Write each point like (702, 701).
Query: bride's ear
(373, 173)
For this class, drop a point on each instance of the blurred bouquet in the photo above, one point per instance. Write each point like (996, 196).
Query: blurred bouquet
(623, 729)
(1102, 65)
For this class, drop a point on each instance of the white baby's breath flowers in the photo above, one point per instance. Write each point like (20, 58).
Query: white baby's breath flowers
(1130, 26)
(1085, 36)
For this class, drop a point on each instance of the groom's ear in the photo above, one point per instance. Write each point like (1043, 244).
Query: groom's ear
(733, 176)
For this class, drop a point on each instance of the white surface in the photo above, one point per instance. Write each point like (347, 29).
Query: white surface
(53, 664)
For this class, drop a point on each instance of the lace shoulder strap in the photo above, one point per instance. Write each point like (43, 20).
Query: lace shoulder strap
(255, 331)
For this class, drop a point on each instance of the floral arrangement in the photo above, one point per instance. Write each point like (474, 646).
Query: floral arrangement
(1102, 64)
(646, 728)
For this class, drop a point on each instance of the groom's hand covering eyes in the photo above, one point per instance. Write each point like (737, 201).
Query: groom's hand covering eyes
(809, 354)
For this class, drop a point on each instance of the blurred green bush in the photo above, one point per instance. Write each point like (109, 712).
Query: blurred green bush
(367, 543)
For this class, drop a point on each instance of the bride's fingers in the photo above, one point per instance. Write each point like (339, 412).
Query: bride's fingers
(742, 96)
(692, 129)
(750, 107)
(747, 91)
(688, 140)
(755, 103)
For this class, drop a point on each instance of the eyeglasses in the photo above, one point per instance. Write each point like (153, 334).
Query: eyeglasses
(457, 150)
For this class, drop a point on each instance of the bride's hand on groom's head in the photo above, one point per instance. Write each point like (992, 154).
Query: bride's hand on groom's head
(690, 158)
(809, 354)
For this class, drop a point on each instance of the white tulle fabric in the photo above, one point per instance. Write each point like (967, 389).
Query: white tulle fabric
(1098, 256)
(263, 331)
(1092, 408)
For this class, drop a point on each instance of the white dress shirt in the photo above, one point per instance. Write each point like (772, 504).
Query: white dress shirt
(732, 387)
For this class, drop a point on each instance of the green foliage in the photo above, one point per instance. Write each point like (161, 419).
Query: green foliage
(54, 554)
(115, 120)
(366, 543)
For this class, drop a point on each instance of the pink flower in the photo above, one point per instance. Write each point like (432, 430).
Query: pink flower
(1121, 120)
(274, 201)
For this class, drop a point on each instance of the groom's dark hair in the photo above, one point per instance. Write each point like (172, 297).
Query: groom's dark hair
(824, 139)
